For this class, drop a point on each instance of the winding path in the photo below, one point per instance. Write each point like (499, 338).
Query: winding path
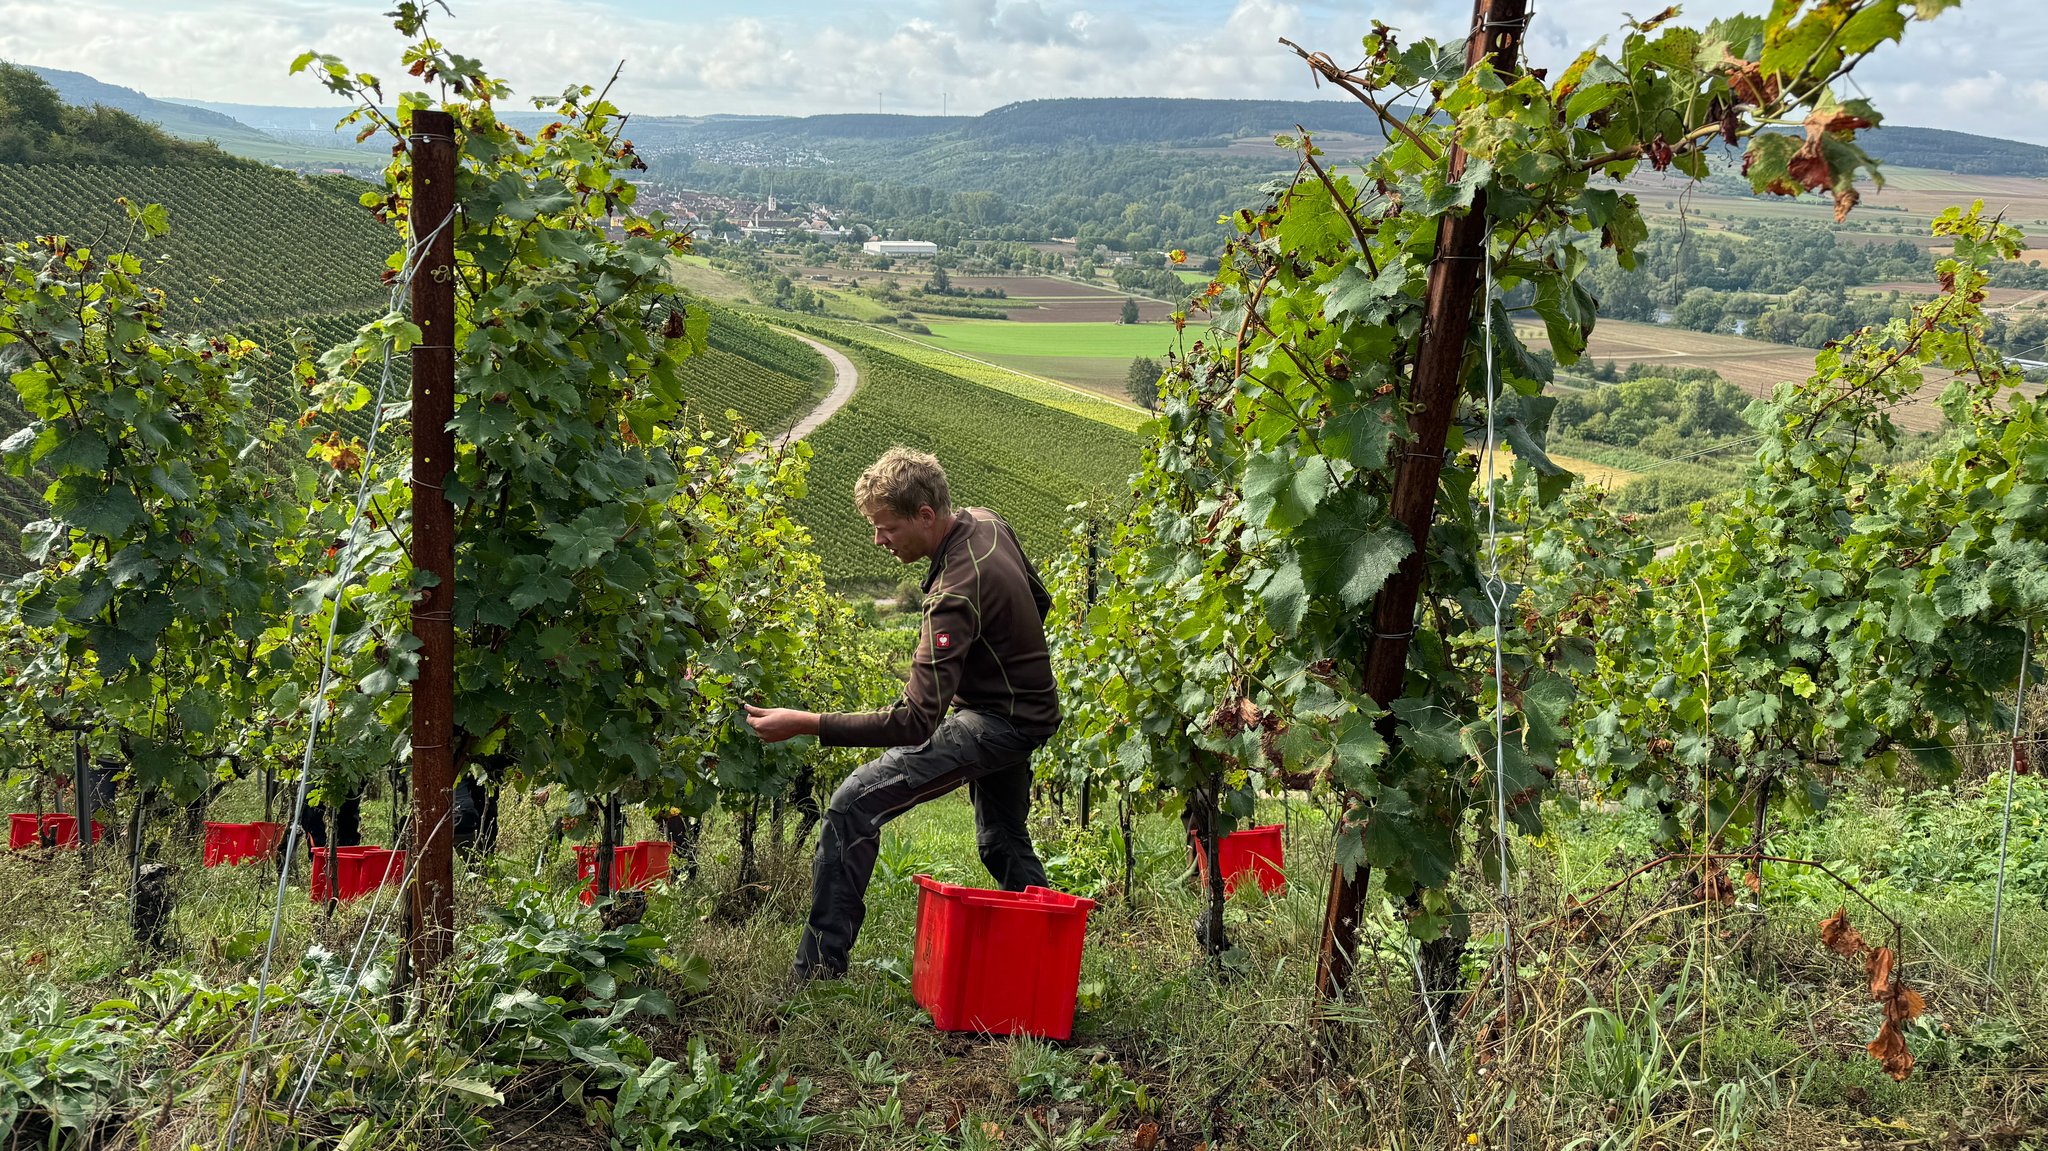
(845, 380)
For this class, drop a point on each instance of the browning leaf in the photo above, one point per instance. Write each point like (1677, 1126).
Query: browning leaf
(1808, 167)
(1907, 1004)
(1651, 24)
(1838, 936)
(1879, 966)
(1833, 120)
(1750, 84)
(1147, 1137)
(1889, 1049)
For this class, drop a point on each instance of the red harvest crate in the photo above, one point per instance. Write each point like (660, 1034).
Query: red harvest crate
(1256, 851)
(635, 866)
(998, 962)
(358, 871)
(231, 843)
(26, 829)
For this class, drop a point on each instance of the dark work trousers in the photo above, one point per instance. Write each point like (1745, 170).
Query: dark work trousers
(476, 814)
(348, 824)
(985, 752)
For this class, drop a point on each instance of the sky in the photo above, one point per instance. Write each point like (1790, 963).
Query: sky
(1973, 69)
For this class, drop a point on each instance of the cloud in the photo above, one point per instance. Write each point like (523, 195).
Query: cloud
(1971, 70)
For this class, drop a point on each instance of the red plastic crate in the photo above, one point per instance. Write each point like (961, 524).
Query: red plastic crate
(635, 866)
(231, 843)
(998, 962)
(26, 829)
(1256, 851)
(358, 871)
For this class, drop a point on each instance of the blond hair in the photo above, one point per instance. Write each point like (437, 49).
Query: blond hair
(903, 480)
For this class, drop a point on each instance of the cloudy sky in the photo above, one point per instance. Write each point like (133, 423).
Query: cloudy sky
(1973, 69)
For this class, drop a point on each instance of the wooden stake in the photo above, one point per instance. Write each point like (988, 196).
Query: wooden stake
(1497, 30)
(433, 147)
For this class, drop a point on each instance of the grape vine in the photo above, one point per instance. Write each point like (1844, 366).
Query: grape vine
(1262, 532)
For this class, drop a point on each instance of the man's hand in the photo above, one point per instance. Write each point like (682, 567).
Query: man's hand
(775, 724)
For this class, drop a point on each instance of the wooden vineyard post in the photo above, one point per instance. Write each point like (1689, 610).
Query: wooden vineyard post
(431, 924)
(84, 788)
(1497, 30)
(1088, 782)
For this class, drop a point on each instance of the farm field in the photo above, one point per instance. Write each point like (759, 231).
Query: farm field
(749, 367)
(1029, 299)
(1995, 299)
(1910, 198)
(1595, 474)
(1754, 366)
(286, 245)
(1110, 340)
(1095, 356)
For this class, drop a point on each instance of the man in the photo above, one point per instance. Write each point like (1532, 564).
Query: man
(982, 651)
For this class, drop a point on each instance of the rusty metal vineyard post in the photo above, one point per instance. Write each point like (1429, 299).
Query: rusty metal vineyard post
(1497, 30)
(432, 920)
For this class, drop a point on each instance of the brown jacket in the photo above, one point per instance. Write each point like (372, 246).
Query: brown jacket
(982, 646)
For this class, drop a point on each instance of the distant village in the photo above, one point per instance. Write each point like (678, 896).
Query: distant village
(770, 219)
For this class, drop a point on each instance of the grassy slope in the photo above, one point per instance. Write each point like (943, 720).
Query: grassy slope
(1065, 340)
(1025, 460)
(1233, 1052)
(767, 377)
(1050, 393)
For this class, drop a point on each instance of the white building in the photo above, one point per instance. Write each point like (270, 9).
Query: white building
(893, 248)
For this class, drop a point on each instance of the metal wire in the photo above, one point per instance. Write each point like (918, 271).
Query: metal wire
(344, 571)
(351, 973)
(2019, 705)
(1497, 595)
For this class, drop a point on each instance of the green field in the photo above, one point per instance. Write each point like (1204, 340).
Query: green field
(1027, 461)
(1096, 356)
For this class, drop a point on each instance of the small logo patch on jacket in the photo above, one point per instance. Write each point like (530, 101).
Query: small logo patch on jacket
(943, 641)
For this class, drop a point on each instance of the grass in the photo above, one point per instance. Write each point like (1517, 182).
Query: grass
(695, 274)
(1648, 1024)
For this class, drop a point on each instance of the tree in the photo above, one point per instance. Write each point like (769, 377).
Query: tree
(1141, 382)
(1130, 311)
